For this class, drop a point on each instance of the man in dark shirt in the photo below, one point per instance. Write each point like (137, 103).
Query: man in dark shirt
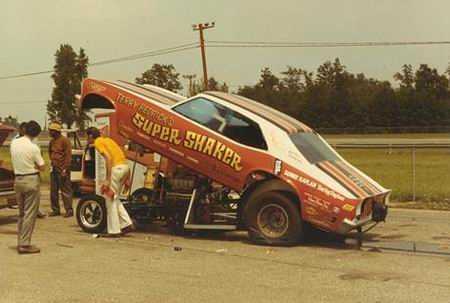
(60, 151)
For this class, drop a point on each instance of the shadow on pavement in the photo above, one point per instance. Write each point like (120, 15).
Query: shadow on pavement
(8, 220)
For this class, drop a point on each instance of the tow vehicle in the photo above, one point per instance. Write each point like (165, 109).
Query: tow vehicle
(226, 162)
(7, 193)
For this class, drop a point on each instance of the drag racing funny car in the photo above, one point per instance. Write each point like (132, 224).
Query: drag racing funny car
(221, 161)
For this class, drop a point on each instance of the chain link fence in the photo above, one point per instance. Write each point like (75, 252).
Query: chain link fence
(414, 172)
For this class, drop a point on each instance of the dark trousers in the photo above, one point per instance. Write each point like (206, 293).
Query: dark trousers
(28, 196)
(57, 183)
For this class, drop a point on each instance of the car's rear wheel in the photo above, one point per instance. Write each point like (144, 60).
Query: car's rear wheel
(272, 218)
(91, 214)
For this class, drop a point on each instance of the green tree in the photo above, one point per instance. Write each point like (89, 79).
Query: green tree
(196, 86)
(405, 77)
(430, 82)
(293, 80)
(333, 98)
(161, 75)
(213, 84)
(82, 72)
(10, 120)
(69, 70)
(268, 80)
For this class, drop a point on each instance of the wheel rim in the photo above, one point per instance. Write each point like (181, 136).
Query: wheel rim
(143, 198)
(91, 214)
(273, 220)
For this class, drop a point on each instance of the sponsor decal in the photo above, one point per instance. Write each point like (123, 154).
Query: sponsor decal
(348, 207)
(192, 140)
(277, 168)
(155, 130)
(312, 199)
(160, 126)
(144, 110)
(291, 175)
(213, 148)
(96, 87)
(311, 211)
(313, 185)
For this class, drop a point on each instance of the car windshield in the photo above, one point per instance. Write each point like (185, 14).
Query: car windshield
(313, 148)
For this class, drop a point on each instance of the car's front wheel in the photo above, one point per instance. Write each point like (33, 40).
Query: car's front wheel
(272, 218)
(91, 214)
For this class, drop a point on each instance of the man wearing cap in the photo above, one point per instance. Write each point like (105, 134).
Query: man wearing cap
(60, 152)
(27, 163)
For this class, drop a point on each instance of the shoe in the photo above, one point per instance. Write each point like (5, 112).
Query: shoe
(128, 229)
(41, 215)
(28, 249)
(54, 214)
(68, 214)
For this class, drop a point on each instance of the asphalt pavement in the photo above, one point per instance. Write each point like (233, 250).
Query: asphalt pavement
(407, 259)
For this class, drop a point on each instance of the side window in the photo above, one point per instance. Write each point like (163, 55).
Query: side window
(229, 123)
(243, 130)
(205, 112)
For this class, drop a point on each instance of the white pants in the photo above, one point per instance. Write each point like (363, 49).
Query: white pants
(118, 217)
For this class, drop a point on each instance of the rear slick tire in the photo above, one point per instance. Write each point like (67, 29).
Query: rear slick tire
(273, 219)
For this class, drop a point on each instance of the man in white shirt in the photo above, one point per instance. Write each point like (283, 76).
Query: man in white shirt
(27, 162)
(21, 133)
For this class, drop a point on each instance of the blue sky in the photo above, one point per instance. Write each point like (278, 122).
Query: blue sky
(31, 31)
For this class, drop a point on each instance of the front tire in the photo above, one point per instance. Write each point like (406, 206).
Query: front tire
(273, 219)
(91, 214)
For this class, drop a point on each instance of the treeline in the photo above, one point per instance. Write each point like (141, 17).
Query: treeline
(9, 120)
(333, 98)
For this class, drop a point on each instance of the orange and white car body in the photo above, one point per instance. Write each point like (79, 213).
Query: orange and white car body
(332, 194)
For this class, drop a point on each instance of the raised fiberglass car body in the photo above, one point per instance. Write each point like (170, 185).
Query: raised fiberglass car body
(253, 149)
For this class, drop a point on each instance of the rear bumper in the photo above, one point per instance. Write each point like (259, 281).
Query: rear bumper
(379, 213)
(348, 225)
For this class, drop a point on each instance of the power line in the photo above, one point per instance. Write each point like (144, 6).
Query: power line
(243, 44)
(159, 52)
(270, 44)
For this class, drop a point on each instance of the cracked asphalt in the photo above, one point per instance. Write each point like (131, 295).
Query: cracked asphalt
(145, 266)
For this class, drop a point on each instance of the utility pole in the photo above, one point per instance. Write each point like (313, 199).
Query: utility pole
(190, 77)
(200, 27)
